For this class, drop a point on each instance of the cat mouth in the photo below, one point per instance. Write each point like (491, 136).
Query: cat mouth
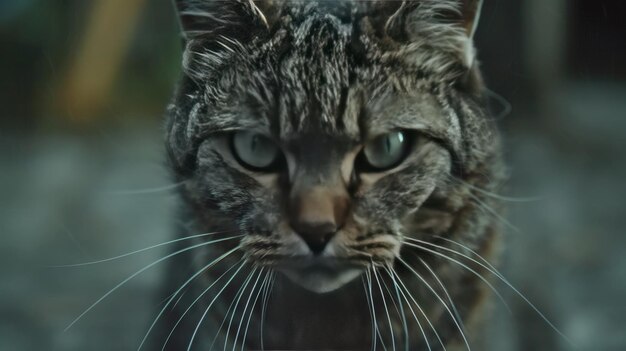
(320, 275)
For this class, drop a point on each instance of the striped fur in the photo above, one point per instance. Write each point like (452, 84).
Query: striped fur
(320, 78)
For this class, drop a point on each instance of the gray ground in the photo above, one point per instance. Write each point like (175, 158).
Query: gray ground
(60, 204)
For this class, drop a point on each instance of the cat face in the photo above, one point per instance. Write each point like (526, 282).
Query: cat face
(319, 130)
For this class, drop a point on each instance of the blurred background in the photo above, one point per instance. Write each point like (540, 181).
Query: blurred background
(83, 87)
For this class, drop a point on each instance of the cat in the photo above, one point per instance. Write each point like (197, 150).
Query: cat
(335, 160)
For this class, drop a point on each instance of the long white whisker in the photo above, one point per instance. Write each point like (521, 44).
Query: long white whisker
(399, 292)
(382, 294)
(481, 258)
(180, 319)
(405, 327)
(375, 319)
(141, 271)
(494, 213)
(504, 280)
(238, 296)
(245, 308)
(202, 270)
(369, 308)
(139, 251)
(498, 196)
(193, 336)
(262, 287)
(440, 300)
(445, 291)
(467, 268)
(230, 308)
(266, 298)
(419, 307)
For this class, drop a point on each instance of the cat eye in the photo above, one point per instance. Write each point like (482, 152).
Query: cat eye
(255, 151)
(385, 151)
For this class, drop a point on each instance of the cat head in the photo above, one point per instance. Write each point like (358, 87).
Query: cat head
(319, 129)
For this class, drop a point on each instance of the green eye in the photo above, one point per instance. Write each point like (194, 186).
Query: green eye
(386, 151)
(255, 151)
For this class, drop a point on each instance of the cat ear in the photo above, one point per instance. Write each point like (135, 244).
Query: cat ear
(235, 19)
(471, 16)
(447, 24)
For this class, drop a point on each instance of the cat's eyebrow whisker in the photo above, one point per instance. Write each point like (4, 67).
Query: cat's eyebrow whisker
(139, 272)
(500, 277)
(419, 307)
(440, 300)
(200, 271)
(245, 308)
(382, 294)
(90, 263)
(206, 311)
(261, 288)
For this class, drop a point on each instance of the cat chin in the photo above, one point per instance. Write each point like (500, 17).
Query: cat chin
(322, 279)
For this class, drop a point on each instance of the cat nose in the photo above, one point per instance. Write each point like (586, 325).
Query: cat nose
(316, 235)
(317, 214)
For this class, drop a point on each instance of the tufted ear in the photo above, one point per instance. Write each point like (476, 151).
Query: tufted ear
(471, 15)
(446, 24)
(234, 19)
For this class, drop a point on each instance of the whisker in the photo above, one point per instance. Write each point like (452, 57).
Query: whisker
(445, 291)
(195, 332)
(147, 190)
(498, 196)
(494, 213)
(142, 250)
(198, 299)
(419, 307)
(230, 308)
(382, 294)
(202, 270)
(374, 318)
(239, 296)
(243, 313)
(262, 287)
(405, 326)
(395, 305)
(440, 300)
(504, 280)
(369, 308)
(266, 298)
(484, 260)
(139, 272)
(466, 267)
(485, 263)
(178, 300)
